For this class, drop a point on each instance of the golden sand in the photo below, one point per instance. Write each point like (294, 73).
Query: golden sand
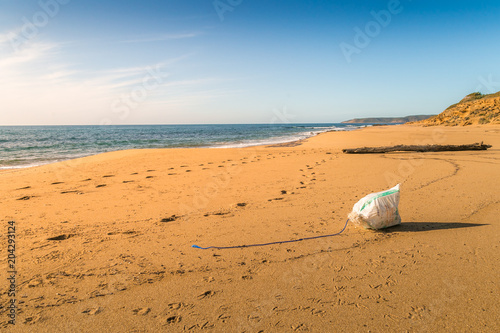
(103, 243)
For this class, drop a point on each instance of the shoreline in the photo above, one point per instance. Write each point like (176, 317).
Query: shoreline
(272, 141)
(105, 241)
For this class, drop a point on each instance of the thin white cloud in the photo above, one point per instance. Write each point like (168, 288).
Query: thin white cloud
(39, 87)
(164, 37)
(29, 54)
(6, 37)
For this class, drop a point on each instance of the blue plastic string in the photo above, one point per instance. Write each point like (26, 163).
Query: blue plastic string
(272, 243)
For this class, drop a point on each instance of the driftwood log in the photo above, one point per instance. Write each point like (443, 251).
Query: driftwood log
(417, 148)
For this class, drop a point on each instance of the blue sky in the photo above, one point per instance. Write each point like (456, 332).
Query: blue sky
(68, 62)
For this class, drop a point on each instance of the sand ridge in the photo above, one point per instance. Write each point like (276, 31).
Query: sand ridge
(105, 241)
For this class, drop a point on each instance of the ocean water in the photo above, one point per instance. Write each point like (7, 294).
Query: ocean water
(26, 146)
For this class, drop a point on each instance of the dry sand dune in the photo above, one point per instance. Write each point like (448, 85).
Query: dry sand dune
(104, 242)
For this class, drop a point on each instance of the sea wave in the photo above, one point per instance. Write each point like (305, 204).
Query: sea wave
(20, 148)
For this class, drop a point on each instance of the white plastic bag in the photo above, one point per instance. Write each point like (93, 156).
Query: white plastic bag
(377, 210)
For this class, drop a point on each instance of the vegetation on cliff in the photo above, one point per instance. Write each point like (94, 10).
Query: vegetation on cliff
(473, 109)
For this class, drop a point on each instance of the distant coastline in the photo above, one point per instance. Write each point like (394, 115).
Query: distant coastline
(387, 120)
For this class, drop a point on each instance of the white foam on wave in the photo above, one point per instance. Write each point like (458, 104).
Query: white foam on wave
(284, 139)
(20, 166)
(45, 162)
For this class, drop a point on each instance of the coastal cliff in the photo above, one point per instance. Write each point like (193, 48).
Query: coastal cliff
(473, 109)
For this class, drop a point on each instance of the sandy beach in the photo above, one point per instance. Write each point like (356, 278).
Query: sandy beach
(104, 243)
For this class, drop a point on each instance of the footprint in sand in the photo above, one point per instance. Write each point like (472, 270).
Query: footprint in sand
(27, 197)
(60, 237)
(93, 311)
(149, 177)
(217, 213)
(172, 320)
(169, 219)
(57, 183)
(205, 325)
(35, 283)
(206, 294)
(107, 176)
(101, 185)
(300, 327)
(175, 306)
(23, 188)
(33, 319)
(141, 311)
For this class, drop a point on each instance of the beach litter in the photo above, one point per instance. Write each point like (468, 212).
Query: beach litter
(377, 210)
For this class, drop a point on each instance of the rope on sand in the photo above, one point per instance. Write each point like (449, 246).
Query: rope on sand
(265, 244)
